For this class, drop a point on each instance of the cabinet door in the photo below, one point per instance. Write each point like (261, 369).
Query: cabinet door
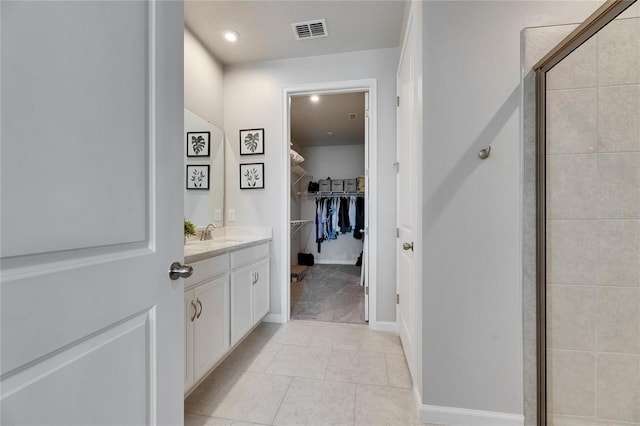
(189, 313)
(241, 302)
(261, 291)
(211, 327)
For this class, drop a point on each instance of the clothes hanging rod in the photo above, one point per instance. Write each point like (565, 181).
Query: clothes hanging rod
(332, 194)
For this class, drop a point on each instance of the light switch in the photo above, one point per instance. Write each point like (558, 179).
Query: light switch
(217, 215)
(231, 215)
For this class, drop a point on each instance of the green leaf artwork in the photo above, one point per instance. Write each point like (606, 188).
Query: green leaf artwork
(251, 141)
(252, 177)
(197, 143)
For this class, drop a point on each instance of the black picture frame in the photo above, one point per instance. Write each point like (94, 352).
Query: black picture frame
(197, 177)
(252, 176)
(251, 141)
(196, 150)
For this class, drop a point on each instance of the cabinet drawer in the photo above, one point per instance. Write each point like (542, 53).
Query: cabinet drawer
(249, 255)
(208, 268)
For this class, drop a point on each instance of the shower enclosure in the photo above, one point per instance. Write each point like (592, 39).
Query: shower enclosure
(588, 223)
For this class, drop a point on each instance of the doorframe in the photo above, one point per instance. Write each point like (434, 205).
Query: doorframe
(371, 156)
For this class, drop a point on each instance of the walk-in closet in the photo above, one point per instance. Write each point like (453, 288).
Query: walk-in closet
(328, 207)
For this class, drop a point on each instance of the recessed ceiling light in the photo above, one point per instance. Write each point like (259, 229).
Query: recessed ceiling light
(315, 98)
(230, 35)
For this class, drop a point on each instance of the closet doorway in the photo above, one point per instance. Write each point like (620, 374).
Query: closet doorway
(329, 196)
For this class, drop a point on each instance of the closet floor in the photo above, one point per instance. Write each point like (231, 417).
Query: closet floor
(329, 293)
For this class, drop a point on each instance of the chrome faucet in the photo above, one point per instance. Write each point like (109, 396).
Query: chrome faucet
(206, 234)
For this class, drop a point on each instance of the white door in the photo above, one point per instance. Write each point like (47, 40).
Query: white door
(364, 273)
(406, 201)
(91, 184)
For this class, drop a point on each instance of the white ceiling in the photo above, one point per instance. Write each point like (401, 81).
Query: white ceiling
(311, 121)
(266, 33)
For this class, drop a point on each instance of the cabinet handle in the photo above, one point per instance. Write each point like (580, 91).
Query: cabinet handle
(253, 278)
(195, 311)
(200, 304)
(257, 277)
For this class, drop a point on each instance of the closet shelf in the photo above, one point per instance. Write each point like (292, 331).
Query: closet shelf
(296, 225)
(299, 171)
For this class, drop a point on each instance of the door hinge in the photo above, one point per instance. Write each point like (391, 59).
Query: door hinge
(397, 166)
(397, 232)
(397, 100)
(397, 299)
(366, 290)
(366, 113)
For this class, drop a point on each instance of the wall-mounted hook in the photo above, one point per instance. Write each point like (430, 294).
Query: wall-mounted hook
(484, 153)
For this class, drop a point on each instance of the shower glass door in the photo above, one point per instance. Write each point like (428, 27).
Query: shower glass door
(592, 235)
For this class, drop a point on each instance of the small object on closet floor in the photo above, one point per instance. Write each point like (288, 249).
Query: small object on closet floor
(305, 259)
(298, 272)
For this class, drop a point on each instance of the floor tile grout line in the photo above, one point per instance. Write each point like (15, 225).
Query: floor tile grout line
(386, 366)
(282, 400)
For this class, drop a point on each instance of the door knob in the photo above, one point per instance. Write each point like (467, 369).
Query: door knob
(177, 270)
(407, 246)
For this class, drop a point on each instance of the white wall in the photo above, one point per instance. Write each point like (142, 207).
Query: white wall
(253, 98)
(337, 162)
(203, 81)
(472, 218)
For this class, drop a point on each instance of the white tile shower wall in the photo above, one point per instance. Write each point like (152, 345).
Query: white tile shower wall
(593, 230)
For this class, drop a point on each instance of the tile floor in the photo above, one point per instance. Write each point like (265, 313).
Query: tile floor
(308, 373)
(329, 293)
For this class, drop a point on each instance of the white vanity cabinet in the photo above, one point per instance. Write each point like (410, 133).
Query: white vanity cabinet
(207, 317)
(249, 289)
(225, 297)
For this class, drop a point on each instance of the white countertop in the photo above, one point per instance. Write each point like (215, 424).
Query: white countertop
(225, 240)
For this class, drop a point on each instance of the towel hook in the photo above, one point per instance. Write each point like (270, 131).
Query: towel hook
(484, 153)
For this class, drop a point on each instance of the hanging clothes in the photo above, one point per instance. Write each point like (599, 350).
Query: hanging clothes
(352, 212)
(319, 225)
(343, 220)
(359, 218)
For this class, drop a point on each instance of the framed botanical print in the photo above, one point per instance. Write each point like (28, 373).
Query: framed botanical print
(251, 141)
(198, 144)
(252, 176)
(198, 176)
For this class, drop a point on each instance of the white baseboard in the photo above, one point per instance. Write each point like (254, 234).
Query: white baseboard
(273, 318)
(464, 417)
(384, 326)
(335, 262)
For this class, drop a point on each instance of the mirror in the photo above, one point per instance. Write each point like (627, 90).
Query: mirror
(203, 206)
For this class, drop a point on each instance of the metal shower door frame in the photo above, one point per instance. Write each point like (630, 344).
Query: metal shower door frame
(594, 23)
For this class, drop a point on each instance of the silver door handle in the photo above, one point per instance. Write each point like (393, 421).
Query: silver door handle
(177, 270)
(407, 246)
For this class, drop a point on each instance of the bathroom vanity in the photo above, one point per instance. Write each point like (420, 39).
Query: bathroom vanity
(225, 298)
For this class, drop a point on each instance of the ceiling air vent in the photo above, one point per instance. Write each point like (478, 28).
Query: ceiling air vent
(353, 116)
(310, 29)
